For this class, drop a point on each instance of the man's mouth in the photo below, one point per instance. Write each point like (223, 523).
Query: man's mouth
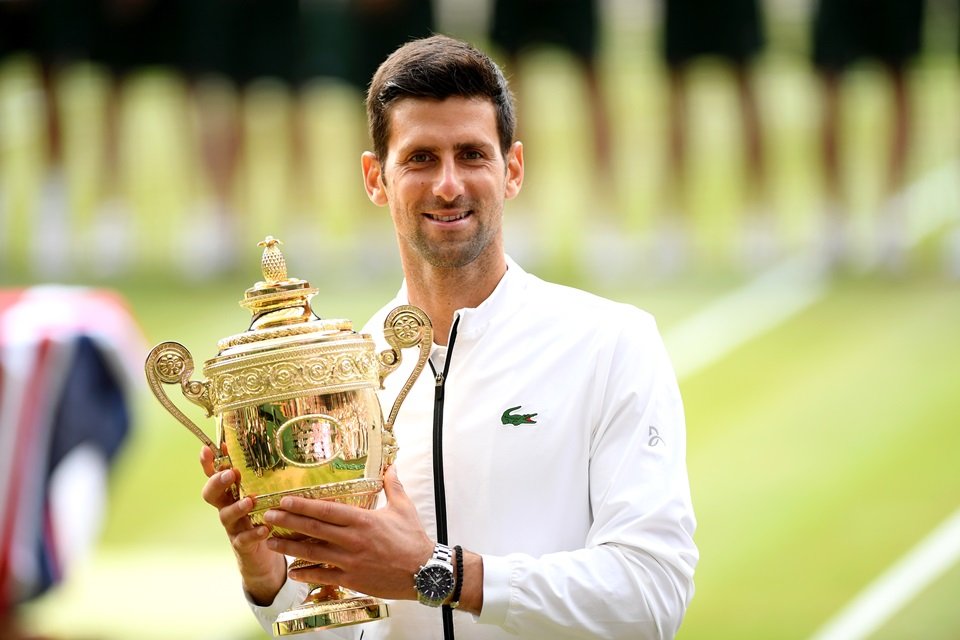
(448, 218)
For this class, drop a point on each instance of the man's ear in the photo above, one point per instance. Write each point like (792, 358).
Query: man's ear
(373, 178)
(514, 170)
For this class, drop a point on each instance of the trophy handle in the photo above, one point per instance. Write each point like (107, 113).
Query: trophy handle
(405, 327)
(171, 363)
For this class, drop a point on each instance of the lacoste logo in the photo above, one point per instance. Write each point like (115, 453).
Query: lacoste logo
(517, 419)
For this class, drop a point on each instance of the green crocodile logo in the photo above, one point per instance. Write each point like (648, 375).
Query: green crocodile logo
(509, 417)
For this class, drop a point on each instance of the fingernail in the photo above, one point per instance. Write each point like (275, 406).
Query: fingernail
(270, 516)
(226, 476)
(286, 503)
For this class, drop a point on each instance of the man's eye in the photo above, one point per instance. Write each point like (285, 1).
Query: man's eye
(419, 157)
(472, 155)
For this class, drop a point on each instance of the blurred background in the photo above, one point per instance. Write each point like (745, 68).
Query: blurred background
(777, 181)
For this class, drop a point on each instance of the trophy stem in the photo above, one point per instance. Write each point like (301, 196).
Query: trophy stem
(327, 607)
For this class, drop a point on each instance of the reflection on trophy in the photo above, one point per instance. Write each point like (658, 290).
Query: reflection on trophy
(294, 398)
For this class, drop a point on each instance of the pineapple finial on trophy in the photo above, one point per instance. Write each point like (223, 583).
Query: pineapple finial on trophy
(278, 299)
(273, 264)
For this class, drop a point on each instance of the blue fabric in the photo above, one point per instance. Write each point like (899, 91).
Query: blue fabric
(91, 410)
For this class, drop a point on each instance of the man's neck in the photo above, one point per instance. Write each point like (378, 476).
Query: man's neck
(441, 292)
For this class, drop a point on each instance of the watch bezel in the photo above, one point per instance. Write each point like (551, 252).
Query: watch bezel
(429, 590)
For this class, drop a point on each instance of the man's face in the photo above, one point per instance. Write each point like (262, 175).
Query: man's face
(445, 179)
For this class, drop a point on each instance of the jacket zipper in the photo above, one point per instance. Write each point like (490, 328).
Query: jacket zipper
(439, 491)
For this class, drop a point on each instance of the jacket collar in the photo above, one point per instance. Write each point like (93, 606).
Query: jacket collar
(503, 301)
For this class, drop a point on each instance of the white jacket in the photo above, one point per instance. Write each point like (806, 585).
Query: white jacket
(582, 513)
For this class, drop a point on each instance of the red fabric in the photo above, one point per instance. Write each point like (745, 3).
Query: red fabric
(25, 450)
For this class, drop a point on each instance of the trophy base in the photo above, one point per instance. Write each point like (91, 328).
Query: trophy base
(328, 607)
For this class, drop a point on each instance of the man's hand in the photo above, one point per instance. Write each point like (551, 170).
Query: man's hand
(375, 552)
(263, 571)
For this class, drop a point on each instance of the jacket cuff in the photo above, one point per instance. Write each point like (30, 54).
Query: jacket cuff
(291, 594)
(496, 590)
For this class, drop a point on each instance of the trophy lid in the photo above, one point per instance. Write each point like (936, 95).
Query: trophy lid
(281, 310)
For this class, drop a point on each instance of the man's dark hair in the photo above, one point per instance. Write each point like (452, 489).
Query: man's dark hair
(437, 67)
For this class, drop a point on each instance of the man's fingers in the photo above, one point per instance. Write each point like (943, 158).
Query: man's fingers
(309, 550)
(233, 517)
(310, 526)
(245, 541)
(317, 575)
(323, 510)
(216, 491)
(206, 460)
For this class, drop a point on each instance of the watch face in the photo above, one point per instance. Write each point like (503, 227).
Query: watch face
(435, 582)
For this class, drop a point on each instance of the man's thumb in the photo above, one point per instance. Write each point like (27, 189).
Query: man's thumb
(392, 488)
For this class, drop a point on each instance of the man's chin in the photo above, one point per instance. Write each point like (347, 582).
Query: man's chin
(451, 259)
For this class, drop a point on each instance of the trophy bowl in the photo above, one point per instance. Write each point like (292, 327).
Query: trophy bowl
(294, 398)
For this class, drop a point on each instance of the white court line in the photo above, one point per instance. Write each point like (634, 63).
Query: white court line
(933, 202)
(898, 585)
(935, 195)
(740, 316)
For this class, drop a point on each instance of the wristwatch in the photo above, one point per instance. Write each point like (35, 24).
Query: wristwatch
(434, 581)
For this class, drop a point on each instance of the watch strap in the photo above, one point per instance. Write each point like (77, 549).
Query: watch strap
(443, 553)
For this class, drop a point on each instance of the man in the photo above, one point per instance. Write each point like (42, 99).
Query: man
(556, 455)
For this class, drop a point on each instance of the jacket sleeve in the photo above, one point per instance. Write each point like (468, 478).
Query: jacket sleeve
(290, 595)
(634, 576)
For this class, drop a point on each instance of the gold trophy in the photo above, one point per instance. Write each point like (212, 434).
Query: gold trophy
(294, 398)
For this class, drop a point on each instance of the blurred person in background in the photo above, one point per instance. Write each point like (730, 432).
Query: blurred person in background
(574, 26)
(68, 359)
(19, 38)
(342, 44)
(234, 50)
(733, 32)
(380, 27)
(602, 543)
(952, 251)
(889, 33)
(347, 39)
(129, 38)
(49, 36)
(230, 49)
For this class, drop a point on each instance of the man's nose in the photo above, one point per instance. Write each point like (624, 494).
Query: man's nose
(449, 184)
